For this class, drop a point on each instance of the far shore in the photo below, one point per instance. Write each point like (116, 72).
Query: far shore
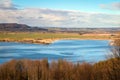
(46, 41)
(48, 38)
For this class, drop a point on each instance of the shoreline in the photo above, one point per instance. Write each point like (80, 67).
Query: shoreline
(46, 41)
(48, 38)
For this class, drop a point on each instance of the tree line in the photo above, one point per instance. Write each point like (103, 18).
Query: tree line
(60, 70)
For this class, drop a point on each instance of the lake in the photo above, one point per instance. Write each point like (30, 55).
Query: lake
(71, 50)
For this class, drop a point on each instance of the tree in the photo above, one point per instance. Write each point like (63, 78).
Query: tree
(116, 49)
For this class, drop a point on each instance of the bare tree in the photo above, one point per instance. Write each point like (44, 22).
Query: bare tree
(116, 48)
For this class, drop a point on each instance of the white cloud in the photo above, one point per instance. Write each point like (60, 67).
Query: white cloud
(58, 18)
(7, 5)
(112, 6)
(55, 18)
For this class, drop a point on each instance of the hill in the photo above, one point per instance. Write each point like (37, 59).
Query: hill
(14, 27)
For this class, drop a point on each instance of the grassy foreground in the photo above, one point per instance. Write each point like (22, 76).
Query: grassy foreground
(34, 37)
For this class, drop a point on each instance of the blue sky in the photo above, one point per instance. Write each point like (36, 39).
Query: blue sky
(61, 13)
(79, 5)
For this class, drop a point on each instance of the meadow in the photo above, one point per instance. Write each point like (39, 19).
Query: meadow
(35, 37)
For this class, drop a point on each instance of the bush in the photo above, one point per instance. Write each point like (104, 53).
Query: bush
(61, 70)
(116, 48)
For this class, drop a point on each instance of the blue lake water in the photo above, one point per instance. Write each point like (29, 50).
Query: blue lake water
(72, 50)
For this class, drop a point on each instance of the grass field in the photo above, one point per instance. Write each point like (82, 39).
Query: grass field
(34, 35)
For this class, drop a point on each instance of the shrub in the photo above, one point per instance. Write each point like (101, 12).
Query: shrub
(61, 70)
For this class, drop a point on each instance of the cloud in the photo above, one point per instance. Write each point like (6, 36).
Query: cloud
(112, 6)
(55, 18)
(7, 5)
(59, 18)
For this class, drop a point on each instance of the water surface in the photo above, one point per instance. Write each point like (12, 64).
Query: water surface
(71, 50)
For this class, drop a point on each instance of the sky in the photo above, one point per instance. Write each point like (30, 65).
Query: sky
(61, 13)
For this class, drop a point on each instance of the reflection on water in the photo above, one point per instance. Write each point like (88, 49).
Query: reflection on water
(71, 50)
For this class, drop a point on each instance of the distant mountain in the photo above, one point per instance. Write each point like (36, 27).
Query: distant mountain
(86, 30)
(14, 27)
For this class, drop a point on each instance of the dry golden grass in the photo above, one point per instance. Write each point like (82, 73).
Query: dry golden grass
(35, 37)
